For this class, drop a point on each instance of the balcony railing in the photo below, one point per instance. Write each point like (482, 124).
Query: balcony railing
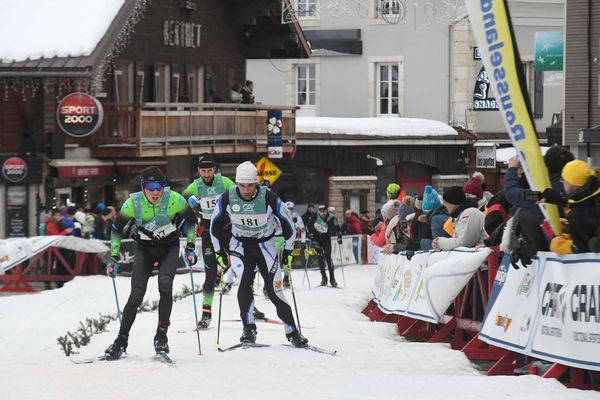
(174, 129)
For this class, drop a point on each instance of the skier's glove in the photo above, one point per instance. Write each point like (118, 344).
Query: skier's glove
(193, 202)
(287, 259)
(112, 267)
(339, 240)
(222, 260)
(190, 254)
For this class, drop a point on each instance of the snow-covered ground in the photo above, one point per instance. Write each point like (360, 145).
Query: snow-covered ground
(373, 361)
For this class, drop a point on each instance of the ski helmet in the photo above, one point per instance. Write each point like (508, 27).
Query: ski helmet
(246, 172)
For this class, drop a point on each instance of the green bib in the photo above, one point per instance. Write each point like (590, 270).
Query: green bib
(160, 225)
(249, 218)
(209, 194)
(321, 225)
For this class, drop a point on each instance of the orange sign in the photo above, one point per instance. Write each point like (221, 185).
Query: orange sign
(267, 170)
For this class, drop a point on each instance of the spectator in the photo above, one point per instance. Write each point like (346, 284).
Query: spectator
(68, 220)
(236, 93)
(496, 214)
(407, 207)
(351, 224)
(55, 224)
(104, 223)
(248, 93)
(394, 192)
(378, 218)
(582, 189)
(468, 221)
(365, 222)
(419, 227)
(381, 235)
(435, 215)
(310, 213)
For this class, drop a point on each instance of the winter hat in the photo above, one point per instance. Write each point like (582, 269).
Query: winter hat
(556, 157)
(577, 172)
(473, 187)
(246, 172)
(431, 199)
(80, 217)
(205, 160)
(290, 205)
(390, 209)
(153, 174)
(454, 195)
(393, 190)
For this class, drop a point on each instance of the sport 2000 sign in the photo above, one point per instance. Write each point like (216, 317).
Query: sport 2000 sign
(79, 114)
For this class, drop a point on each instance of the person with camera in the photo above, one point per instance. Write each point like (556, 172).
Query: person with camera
(321, 228)
(250, 208)
(153, 214)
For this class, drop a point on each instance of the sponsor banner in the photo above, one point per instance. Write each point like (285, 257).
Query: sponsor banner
(510, 317)
(568, 331)
(372, 251)
(79, 114)
(350, 253)
(492, 29)
(275, 128)
(548, 310)
(424, 286)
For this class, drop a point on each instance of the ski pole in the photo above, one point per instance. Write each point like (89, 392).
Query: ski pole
(289, 267)
(342, 264)
(194, 301)
(116, 300)
(220, 306)
(307, 255)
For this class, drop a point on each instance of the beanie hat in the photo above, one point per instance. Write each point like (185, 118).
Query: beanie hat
(246, 172)
(79, 217)
(393, 190)
(390, 209)
(454, 195)
(431, 199)
(556, 157)
(205, 160)
(473, 187)
(153, 174)
(577, 172)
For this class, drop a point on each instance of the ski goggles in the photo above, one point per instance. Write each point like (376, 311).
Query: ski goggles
(153, 186)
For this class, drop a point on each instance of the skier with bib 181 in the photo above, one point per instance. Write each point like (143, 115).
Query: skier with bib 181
(154, 214)
(322, 227)
(203, 194)
(252, 245)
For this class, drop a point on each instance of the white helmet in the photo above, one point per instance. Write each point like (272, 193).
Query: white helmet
(246, 172)
(290, 205)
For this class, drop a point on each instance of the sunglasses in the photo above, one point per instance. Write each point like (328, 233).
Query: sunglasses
(154, 186)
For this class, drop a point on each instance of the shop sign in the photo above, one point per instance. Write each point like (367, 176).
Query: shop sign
(14, 169)
(486, 156)
(481, 94)
(79, 114)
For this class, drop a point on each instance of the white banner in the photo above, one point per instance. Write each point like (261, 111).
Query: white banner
(348, 253)
(372, 251)
(549, 310)
(424, 286)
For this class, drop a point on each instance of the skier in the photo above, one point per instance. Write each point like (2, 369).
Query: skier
(203, 194)
(322, 227)
(154, 213)
(249, 208)
(300, 232)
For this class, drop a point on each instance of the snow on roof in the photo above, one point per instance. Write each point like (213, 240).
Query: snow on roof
(400, 127)
(41, 28)
(505, 154)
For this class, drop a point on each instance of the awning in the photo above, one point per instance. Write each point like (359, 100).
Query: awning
(94, 168)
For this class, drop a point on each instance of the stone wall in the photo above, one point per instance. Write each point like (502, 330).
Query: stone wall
(359, 184)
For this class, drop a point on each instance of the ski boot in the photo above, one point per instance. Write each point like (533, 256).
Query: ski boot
(248, 334)
(226, 288)
(259, 314)
(296, 339)
(161, 344)
(206, 318)
(323, 280)
(333, 282)
(116, 350)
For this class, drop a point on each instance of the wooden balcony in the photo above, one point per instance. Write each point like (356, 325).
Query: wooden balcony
(175, 129)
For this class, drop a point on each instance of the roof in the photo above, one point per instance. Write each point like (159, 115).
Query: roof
(375, 127)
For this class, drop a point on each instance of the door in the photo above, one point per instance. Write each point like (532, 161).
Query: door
(413, 177)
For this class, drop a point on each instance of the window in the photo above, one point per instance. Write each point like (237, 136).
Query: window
(387, 90)
(123, 82)
(305, 85)
(195, 83)
(535, 89)
(307, 9)
(161, 83)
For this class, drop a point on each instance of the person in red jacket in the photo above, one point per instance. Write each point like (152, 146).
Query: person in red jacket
(353, 226)
(54, 226)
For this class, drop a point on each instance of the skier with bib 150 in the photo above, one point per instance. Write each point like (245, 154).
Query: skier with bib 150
(249, 207)
(154, 213)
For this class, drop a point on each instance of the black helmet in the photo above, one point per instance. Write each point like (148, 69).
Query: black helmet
(153, 174)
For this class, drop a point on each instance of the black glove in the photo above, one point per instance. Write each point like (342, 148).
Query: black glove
(594, 244)
(302, 246)
(552, 196)
(339, 240)
(112, 267)
(524, 252)
(190, 254)
(287, 257)
(222, 259)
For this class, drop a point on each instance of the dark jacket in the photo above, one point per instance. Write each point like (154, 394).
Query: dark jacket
(584, 217)
(514, 188)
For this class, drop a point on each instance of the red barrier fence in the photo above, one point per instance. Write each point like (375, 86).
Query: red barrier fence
(45, 267)
(460, 327)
